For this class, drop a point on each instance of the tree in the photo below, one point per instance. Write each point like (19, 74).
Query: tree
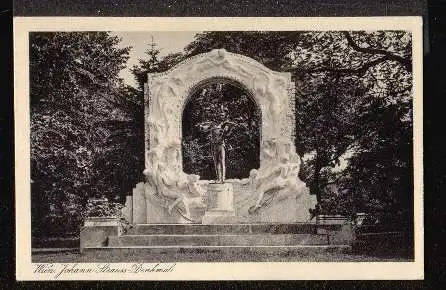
(119, 161)
(147, 66)
(154, 64)
(378, 66)
(223, 107)
(343, 80)
(271, 48)
(322, 122)
(325, 122)
(349, 86)
(79, 120)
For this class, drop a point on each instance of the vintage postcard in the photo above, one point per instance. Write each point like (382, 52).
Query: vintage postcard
(218, 148)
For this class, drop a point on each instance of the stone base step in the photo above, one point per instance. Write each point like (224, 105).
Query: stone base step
(218, 240)
(164, 254)
(197, 229)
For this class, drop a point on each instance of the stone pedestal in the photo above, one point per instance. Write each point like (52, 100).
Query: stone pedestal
(220, 204)
(97, 230)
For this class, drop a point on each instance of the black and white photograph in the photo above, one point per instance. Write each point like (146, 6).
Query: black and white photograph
(151, 148)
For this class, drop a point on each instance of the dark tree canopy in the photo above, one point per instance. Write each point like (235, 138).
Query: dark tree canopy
(353, 118)
(344, 81)
(84, 127)
(354, 111)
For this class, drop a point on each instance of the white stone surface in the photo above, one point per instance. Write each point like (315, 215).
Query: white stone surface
(127, 210)
(102, 221)
(139, 204)
(220, 204)
(168, 188)
(168, 92)
(220, 197)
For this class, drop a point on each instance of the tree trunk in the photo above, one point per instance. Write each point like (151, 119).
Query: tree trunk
(317, 169)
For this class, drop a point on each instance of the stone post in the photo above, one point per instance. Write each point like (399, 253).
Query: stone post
(220, 204)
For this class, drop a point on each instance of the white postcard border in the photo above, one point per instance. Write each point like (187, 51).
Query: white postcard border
(25, 269)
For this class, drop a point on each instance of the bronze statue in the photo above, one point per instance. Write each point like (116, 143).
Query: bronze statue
(219, 154)
(219, 131)
(218, 134)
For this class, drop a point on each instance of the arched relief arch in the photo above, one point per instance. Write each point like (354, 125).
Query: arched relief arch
(167, 186)
(167, 93)
(227, 80)
(214, 101)
(192, 90)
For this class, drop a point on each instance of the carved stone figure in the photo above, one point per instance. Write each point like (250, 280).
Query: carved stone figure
(168, 188)
(281, 179)
(174, 189)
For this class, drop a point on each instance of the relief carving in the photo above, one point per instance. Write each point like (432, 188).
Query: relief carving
(280, 176)
(166, 183)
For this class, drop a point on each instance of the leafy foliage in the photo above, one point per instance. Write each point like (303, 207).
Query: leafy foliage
(373, 88)
(214, 104)
(354, 110)
(353, 106)
(154, 64)
(83, 124)
(103, 207)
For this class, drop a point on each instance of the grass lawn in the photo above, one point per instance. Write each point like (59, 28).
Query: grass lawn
(207, 256)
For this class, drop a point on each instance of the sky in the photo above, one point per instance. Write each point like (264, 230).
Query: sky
(166, 41)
